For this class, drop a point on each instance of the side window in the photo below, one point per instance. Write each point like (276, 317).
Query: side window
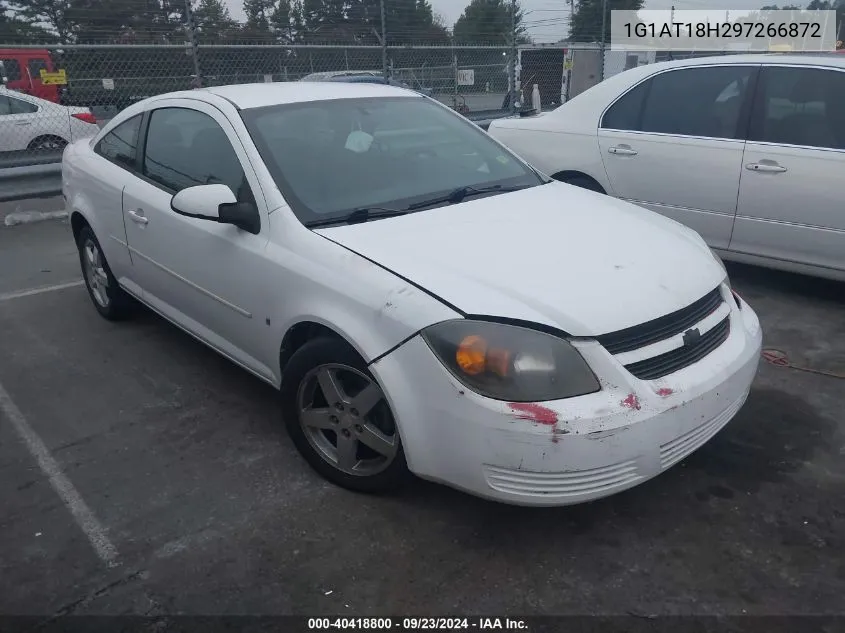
(800, 106)
(13, 69)
(697, 101)
(35, 67)
(121, 144)
(19, 106)
(625, 113)
(186, 148)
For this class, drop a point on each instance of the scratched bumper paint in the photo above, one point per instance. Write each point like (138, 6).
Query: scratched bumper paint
(566, 451)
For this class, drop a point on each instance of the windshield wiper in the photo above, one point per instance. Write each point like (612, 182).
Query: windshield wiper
(359, 215)
(462, 193)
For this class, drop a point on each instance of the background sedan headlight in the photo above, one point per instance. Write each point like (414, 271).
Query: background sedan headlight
(506, 362)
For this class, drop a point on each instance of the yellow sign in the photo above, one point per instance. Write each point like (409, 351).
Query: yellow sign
(53, 79)
(567, 65)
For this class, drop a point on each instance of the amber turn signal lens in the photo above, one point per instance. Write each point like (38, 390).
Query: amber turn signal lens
(471, 355)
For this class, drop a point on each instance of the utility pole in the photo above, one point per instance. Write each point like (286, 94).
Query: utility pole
(190, 27)
(513, 56)
(384, 41)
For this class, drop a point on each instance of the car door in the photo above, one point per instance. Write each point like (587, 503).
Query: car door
(103, 186)
(196, 272)
(674, 143)
(790, 204)
(19, 123)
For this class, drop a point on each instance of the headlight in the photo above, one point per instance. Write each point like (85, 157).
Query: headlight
(506, 362)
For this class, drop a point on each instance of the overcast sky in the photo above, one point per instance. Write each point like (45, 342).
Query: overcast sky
(548, 20)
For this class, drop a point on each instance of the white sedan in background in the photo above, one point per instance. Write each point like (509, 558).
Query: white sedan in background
(424, 300)
(748, 150)
(38, 125)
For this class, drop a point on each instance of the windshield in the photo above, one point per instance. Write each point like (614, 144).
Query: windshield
(330, 158)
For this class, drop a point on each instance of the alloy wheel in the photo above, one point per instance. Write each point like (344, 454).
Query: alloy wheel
(95, 272)
(346, 419)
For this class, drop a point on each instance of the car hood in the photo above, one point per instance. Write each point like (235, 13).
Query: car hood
(555, 254)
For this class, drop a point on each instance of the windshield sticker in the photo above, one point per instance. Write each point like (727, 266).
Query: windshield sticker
(359, 142)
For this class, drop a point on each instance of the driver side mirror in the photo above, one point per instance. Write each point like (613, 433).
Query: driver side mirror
(216, 203)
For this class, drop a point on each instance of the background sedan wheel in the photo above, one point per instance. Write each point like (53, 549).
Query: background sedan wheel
(339, 419)
(47, 144)
(108, 297)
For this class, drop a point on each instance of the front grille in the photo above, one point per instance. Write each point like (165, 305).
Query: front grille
(665, 364)
(660, 329)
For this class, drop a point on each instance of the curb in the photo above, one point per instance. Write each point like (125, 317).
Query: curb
(31, 217)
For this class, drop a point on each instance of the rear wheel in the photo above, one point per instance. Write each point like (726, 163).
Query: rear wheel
(339, 419)
(110, 300)
(47, 144)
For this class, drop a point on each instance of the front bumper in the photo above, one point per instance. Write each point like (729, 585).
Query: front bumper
(566, 451)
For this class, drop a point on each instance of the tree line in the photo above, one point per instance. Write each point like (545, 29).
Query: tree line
(346, 22)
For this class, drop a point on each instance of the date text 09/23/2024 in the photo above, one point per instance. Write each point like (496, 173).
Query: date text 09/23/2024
(417, 624)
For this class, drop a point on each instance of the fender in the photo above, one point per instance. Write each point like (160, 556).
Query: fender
(373, 309)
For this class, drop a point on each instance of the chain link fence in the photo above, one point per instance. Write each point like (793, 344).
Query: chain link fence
(81, 87)
(57, 94)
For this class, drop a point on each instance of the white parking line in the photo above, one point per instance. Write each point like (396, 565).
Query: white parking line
(85, 519)
(37, 291)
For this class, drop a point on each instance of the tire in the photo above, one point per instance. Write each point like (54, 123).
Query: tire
(584, 182)
(315, 425)
(47, 144)
(109, 299)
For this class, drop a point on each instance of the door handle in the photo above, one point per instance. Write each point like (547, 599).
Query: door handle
(622, 150)
(137, 216)
(24, 123)
(770, 168)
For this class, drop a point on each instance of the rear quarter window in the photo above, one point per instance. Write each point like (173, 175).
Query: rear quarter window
(120, 146)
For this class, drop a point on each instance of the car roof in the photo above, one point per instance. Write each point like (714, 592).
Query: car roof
(824, 59)
(246, 96)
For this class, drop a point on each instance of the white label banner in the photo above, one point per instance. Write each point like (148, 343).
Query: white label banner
(466, 77)
(724, 30)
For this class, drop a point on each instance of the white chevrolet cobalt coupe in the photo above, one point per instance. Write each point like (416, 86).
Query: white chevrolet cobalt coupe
(424, 300)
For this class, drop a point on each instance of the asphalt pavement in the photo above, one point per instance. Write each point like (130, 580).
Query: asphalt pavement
(142, 473)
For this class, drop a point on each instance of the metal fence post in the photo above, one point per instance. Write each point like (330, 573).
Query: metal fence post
(384, 41)
(190, 27)
(455, 78)
(603, 27)
(512, 68)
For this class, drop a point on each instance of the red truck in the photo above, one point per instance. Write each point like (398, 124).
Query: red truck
(22, 68)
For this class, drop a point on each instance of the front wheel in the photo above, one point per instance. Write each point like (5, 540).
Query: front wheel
(339, 419)
(583, 182)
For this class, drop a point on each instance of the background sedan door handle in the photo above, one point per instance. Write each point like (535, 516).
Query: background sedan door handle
(137, 216)
(771, 168)
(622, 150)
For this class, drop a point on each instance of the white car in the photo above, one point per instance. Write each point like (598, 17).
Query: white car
(745, 149)
(424, 300)
(30, 123)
